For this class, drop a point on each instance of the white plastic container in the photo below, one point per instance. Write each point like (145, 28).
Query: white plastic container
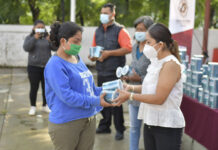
(196, 63)
(196, 77)
(205, 82)
(112, 85)
(213, 85)
(206, 98)
(213, 69)
(110, 95)
(119, 72)
(194, 91)
(200, 95)
(213, 100)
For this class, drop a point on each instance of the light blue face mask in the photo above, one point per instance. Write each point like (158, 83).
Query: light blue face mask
(104, 18)
(140, 36)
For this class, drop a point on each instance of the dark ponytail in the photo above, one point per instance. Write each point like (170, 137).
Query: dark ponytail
(160, 32)
(64, 30)
(174, 49)
(54, 34)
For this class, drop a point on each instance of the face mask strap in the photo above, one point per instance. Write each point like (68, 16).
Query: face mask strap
(66, 42)
(159, 48)
(156, 44)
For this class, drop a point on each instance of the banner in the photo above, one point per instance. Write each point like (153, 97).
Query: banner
(181, 22)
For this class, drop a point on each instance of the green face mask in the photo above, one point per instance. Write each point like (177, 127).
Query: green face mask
(74, 49)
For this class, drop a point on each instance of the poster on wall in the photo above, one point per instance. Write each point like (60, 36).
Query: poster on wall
(181, 22)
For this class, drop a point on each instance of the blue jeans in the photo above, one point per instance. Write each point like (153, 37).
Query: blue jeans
(135, 126)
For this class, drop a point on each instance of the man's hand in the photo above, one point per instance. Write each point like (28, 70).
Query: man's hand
(92, 58)
(104, 55)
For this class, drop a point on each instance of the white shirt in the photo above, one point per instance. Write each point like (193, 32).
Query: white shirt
(168, 114)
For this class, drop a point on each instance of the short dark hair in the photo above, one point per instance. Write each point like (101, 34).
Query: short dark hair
(146, 20)
(38, 21)
(110, 5)
(65, 30)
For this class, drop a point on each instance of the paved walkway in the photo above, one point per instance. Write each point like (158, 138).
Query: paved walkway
(18, 131)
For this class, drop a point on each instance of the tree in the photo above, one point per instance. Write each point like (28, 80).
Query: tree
(214, 14)
(88, 11)
(34, 9)
(10, 12)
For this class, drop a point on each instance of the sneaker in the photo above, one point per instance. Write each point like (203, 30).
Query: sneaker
(32, 111)
(46, 109)
(119, 136)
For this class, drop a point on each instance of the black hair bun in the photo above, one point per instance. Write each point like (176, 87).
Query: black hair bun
(54, 34)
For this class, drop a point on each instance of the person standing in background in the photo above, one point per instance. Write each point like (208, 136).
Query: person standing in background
(139, 65)
(116, 43)
(39, 51)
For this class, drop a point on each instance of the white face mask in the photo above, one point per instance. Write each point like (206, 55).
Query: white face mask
(39, 30)
(104, 18)
(140, 36)
(150, 52)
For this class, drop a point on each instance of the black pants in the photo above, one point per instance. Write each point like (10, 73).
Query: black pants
(107, 112)
(36, 75)
(161, 138)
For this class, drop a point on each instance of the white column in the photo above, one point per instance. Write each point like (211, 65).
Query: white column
(73, 10)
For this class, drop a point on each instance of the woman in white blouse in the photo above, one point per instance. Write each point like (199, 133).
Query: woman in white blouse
(160, 93)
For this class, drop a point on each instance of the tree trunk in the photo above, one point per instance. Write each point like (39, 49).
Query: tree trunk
(34, 9)
(127, 6)
(80, 15)
(212, 13)
(62, 10)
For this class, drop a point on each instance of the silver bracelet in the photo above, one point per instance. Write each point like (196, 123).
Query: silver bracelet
(131, 96)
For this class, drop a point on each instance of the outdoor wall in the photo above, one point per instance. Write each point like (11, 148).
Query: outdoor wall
(12, 38)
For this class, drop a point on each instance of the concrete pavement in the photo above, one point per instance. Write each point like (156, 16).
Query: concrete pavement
(19, 131)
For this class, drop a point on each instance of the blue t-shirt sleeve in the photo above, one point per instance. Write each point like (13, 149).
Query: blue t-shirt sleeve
(97, 90)
(56, 78)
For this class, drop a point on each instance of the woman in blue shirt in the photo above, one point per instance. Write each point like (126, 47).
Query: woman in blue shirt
(71, 94)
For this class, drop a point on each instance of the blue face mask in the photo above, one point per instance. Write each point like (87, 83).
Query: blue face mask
(104, 18)
(140, 36)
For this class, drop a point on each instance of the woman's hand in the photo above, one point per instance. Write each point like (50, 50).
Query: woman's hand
(125, 85)
(128, 87)
(123, 96)
(103, 102)
(48, 38)
(37, 35)
(125, 78)
(134, 76)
